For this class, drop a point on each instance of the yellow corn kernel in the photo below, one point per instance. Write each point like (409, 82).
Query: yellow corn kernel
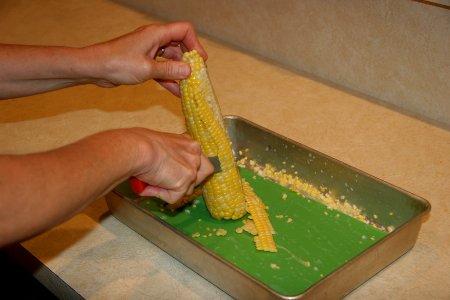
(223, 191)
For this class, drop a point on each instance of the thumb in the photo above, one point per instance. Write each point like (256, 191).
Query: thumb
(161, 193)
(170, 70)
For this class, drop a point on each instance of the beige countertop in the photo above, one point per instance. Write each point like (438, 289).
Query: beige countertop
(99, 257)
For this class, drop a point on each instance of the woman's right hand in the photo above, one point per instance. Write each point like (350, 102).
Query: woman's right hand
(171, 164)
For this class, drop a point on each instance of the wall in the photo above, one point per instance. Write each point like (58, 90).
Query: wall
(394, 51)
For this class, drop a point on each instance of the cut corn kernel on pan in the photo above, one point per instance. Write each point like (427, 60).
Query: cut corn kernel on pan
(312, 240)
(322, 251)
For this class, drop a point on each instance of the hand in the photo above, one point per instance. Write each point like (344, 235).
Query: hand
(130, 59)
(171, 164)
(62, 182)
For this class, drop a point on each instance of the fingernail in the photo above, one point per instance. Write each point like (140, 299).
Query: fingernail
(185, 70)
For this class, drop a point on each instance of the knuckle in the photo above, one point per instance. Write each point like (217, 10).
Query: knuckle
(188, 25)
(167, 70)
(189, 176)
(171, 69)
(195, 147)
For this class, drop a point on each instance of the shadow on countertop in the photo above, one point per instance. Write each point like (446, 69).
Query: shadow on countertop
(20, 284)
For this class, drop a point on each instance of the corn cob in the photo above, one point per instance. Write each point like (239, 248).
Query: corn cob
(257, 210)
(223, 192)
(226, 195)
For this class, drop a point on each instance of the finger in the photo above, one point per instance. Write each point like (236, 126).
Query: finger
(184, 33)
(195, 148)
(206, 168)
(163, 194)
(170, 52)
(190, 189)
(150, 191)
(171, 86)
(172, 70)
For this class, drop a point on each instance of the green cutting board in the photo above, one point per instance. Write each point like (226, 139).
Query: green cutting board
(312, 240)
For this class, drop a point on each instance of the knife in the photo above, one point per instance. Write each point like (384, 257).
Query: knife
(138, 186)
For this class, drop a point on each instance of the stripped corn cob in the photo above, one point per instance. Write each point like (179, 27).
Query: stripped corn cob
(223, 192)
(257, 210)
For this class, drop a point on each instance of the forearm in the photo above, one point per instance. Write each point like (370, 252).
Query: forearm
(41, 190)
(27, 70)
(38, 191)
(129, 59)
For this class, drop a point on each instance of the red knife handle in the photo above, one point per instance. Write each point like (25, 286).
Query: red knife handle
(136, 185)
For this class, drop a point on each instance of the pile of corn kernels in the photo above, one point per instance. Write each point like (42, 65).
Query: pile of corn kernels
(300, 186)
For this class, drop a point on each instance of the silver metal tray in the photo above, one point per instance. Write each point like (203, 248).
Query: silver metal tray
(383, 204)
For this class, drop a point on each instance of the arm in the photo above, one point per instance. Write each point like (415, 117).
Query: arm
(129, 59)
(38, 191)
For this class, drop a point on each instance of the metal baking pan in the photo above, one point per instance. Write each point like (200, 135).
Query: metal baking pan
(323, 252)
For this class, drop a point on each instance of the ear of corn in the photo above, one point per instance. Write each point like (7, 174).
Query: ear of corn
(225, 194)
